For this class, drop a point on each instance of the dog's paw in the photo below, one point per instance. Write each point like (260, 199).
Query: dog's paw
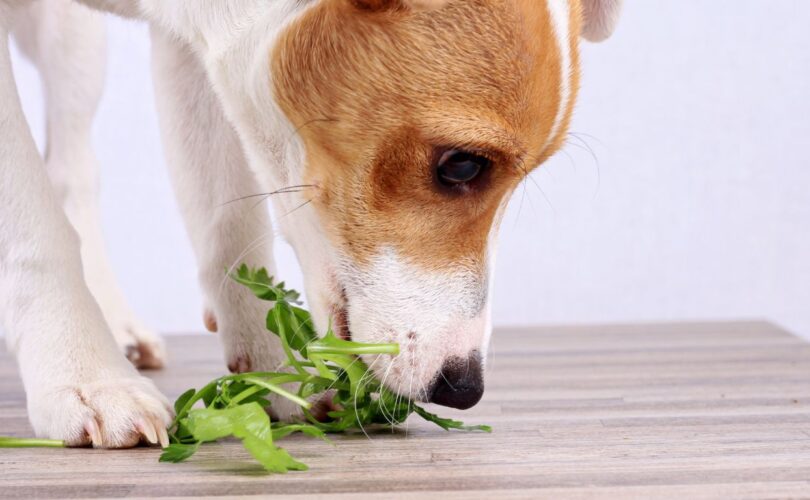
(117, 413)
(143, 347)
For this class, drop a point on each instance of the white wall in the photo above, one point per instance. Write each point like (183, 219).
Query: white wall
(698, 206)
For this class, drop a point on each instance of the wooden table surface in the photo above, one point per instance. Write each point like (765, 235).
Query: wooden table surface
(716, 410)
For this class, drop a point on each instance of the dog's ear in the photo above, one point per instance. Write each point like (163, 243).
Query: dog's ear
(599, 18)
(380, 5)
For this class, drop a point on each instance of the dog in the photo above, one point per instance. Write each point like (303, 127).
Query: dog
(390, 134)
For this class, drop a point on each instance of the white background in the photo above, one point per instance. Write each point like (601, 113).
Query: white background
(697, 208)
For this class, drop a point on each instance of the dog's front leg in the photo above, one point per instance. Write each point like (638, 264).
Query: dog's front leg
(227, 226)
(67, 43)
(79, 386)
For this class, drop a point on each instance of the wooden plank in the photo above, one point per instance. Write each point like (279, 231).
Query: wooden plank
(691, 410)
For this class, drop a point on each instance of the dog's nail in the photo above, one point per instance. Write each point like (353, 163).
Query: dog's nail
(133, 353)
(91, 427)
(147, 357)
(322, 406)
(163, 437)
(161, 429)
(241, 364)
(147, 430)
(210, 321)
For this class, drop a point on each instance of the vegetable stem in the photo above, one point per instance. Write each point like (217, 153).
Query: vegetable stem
(281, 392)
(357, 349)
(12, 442)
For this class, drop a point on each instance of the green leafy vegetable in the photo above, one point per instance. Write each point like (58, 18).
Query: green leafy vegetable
(234, 404)
(448, 423)
(177, 452)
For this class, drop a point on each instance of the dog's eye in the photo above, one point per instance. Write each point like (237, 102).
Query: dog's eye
(457, 168)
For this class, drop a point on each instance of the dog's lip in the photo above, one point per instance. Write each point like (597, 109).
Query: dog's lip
(340, 317)
(341, 323)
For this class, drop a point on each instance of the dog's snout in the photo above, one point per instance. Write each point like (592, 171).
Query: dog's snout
(460, 383)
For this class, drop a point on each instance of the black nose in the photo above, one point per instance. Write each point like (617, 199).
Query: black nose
(460, 384)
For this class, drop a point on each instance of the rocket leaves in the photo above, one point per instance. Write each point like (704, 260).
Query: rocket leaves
(325, 367)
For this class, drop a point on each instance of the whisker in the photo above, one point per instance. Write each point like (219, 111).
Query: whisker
(389, 416)
(522, 200)
(570, 159)
(410, 399)
(251, 247)
(367, 372)
(448, 382)
(543, 193)
(579, 136)
(384, 409)
(302, 205)
(306, 124)
(285, 190)
(527, 177)
(583, 145)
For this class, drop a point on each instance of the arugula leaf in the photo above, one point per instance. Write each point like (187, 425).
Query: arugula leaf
(293, 323)
(184, 398)
(250, 423)
(212, 424)
(176, 452)
(261, 284)
(281, 431)
(448, 423)
(273, 458)
(234, 404)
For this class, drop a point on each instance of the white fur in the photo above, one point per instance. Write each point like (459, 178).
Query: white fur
(66, 42)
(559, 10)
(432, 315)
(225, 137)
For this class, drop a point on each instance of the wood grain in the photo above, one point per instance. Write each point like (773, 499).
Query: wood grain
(709, 410)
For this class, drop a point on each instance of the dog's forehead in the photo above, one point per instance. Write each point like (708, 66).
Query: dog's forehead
(492, 66)
(485, 68)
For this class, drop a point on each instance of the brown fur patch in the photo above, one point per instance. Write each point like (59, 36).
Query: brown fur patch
(375, 92)
(400, 4)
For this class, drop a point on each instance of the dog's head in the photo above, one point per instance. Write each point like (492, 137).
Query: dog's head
(417, 120)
